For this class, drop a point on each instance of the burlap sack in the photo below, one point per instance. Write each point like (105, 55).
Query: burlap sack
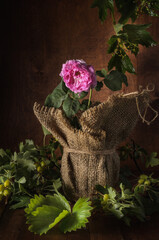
(89, 155)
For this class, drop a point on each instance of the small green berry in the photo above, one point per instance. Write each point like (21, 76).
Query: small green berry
(6, 192)
(1, 187)
(39, 169)
(147, 182)
(105, 197)
(42, 164)
(143, 176)
(7, 183)
(140, 181)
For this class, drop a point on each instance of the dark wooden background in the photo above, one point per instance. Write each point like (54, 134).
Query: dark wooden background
(37, 37)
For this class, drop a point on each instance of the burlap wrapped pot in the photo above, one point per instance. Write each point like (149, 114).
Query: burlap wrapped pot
(89, 155)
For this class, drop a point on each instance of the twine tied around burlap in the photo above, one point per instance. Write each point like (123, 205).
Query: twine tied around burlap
(89, 155)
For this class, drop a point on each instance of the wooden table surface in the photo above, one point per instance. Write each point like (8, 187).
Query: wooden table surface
(13, 227)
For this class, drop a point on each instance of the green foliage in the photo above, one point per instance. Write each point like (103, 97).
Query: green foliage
(137, 34)
(20, 182)
(122, 205)
(138, 154)
(146, 193)
(103, 6)
(79, 216)
(64, 98)
(101, 73)
(127, 9)
(58, 95)
(152, 160)
(31, 170)
(114, 80)
(45, 131)
(99, 86)
(43, 213)
(122, 63)
(127, 37)
(71, 106)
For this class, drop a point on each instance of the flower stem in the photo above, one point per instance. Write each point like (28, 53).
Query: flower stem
(90, 95)
(44, 140)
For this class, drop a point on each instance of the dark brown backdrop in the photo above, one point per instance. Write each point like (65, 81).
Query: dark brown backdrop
(37, 37)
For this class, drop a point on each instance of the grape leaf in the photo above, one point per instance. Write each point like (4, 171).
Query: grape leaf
(121, 63)
(112, 192)
(43, 213)
(127, 10)
(44, 218)
(78, 218)
(25, 161)
(101, 73)
(99, 86)
(19, 201)
(103, 6)
(152, 161)
(137, 33)
(114, 80)
(58, 201)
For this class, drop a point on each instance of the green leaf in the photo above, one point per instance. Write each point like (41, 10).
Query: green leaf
(25, 161)
(4, 158)
(44, 218)
(116, 61)
(152, 161)
(22, 180)
(103, 6)
(71, 106)
(57, 201)
(78, 95)
(114, 80)
(127, 65)
(2, 153)
(137, 33)
(27, 146)
(21, 201)
(127, 10)
(117, 27)
(45, 131)
(121, 63)
(101, 73)
(113, 42)
(43, 213)
(84, 105)
(117, 212)
(99, 86)
(57, 184)
(58, 95)
(112, 193)
(78, 218)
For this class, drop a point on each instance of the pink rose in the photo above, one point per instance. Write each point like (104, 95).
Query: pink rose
(78, 76)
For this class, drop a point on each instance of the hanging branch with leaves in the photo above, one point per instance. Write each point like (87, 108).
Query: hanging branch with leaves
(127, 38)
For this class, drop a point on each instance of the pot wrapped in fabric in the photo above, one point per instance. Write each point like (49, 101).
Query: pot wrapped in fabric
(89, 155)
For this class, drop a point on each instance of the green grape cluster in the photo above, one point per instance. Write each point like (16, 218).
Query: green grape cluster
(5, 189)
(40, 166)
(145, 7)
(145, 180)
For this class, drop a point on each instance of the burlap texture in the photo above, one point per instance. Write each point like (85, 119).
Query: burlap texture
(85, 161)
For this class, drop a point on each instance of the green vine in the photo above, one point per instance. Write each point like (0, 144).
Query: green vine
(31, 179)
(127, 37)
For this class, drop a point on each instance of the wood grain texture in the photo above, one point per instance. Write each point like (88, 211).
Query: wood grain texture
(37, 37)
(13, 227)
